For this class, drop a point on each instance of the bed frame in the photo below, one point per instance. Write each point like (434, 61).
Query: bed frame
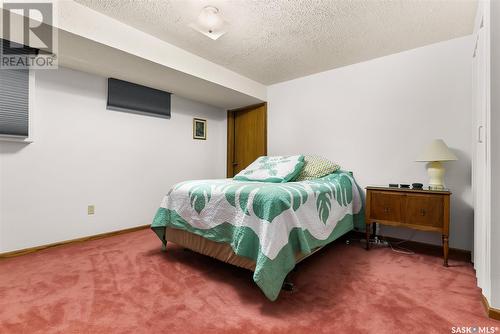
(221, 251)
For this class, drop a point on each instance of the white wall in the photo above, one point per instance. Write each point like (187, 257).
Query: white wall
(375, 117)
(84, 154)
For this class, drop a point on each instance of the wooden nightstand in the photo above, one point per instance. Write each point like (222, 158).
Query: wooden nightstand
(425, 210)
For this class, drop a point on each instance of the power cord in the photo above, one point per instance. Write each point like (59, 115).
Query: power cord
(395, 246)
(401, 250)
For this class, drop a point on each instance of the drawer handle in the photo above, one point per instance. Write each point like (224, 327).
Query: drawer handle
(422, 212)
(387, 210)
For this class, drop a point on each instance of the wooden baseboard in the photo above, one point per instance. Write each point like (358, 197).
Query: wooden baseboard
(430, 249)
(92, 237)
(493, 313)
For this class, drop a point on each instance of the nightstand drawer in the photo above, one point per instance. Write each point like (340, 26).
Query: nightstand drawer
(424, 210)
(386, 206)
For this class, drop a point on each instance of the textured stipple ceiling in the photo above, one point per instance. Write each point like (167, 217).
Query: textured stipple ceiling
(273, 41)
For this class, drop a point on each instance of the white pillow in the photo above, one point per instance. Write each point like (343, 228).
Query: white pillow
(276, 169)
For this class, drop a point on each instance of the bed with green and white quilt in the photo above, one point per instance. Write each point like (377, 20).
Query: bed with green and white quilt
(268, 223)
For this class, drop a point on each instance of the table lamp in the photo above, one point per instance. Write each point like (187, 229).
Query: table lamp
(434, 153)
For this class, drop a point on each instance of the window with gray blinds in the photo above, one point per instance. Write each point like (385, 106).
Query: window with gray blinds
(14, 102)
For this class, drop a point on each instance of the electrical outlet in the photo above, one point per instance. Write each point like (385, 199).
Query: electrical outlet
(90, 209)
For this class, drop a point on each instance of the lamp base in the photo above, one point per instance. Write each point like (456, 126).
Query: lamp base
(436, 171)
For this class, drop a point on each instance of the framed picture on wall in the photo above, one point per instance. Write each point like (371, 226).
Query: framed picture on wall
(199, 128)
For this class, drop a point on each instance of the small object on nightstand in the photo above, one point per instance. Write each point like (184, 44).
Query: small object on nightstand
(405, 186)
(424, 210)
(393, 185)
(417, 186)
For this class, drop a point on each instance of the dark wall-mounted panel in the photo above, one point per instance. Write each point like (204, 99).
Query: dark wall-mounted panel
(134, 98)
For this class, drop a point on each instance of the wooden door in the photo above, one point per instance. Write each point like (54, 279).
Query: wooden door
(246, 137)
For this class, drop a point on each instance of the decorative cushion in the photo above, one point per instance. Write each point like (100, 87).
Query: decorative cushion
(316, 167)
(276, 169)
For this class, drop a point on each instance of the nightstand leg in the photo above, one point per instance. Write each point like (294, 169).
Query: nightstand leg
(367, 228)
(445, 250)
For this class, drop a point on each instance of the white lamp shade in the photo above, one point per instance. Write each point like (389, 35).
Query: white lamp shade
(437, 150)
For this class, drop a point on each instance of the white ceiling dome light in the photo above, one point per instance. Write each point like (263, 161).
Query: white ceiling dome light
(210, 23)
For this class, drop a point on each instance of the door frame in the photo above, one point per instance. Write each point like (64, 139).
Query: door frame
(482, 229)
(231, 138)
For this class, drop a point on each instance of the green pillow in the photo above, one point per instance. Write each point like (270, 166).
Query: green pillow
(277, 169)
(316, 167)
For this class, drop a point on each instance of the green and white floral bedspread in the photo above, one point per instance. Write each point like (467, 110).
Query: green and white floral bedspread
(266, 222)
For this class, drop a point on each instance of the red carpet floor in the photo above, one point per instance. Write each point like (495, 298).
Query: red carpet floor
(125, 284)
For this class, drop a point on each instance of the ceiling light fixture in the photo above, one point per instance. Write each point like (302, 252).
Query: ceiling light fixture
(210, 23)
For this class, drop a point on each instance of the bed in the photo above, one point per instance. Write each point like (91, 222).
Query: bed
(264, 227)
